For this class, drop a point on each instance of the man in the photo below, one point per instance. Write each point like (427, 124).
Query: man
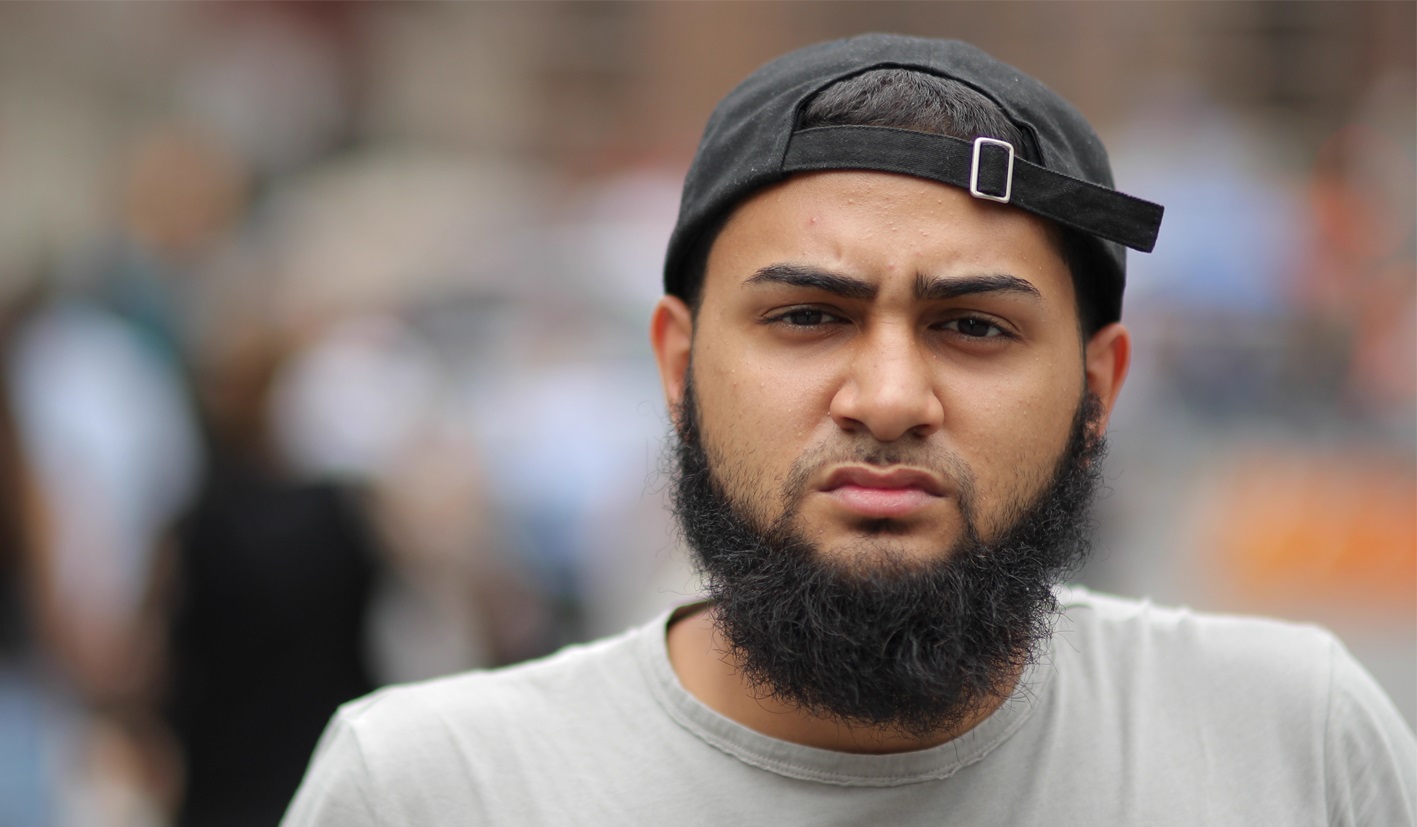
(890, 344)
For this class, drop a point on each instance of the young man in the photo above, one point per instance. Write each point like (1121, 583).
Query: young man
(890, 344)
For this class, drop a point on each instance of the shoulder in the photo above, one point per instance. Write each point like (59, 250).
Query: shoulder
(545, 689)
(1283, 705)
(1370, 751)
(414, 753)
(1257, 679)
(1181, 639)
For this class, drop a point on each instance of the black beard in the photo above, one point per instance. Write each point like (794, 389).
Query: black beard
(886, 641)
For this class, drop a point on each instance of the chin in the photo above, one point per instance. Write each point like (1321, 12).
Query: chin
(887, 527)
(911, 537)
(883, 553)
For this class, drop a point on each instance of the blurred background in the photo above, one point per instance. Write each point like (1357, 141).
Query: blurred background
(323, 356)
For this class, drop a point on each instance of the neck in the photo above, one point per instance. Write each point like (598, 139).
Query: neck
(703, 661)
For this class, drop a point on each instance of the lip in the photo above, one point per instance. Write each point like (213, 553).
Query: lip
(883, 493)
(884, 479)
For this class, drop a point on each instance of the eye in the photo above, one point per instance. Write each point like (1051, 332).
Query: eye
(975, 327)
(804, 317)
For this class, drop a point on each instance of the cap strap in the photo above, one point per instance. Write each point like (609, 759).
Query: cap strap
(1069, 201)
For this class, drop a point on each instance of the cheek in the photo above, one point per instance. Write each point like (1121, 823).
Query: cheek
(757, 419)
(1011, 430)
(760, 395)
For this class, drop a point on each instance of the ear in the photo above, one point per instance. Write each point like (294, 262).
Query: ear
(1108, 355)
(671, 334)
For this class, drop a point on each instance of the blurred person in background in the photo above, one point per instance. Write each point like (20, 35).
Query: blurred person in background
(1212, 314)
(268, 594)
(399, 381)
(1358, 287)
(105, 419)
(890, 395)
(172, 556)
(26, 785)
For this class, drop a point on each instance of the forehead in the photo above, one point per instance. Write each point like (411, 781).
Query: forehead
(882, 226)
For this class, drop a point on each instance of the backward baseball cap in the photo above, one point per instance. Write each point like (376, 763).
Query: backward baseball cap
(1061, 173)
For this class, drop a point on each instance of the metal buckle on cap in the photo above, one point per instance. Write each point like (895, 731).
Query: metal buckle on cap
(974, 171)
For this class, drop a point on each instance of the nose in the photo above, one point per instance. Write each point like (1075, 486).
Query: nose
(889, 390)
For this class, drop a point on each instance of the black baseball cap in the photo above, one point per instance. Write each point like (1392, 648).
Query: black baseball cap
(1061, 172)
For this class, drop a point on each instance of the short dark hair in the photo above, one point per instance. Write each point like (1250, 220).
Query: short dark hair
(919, 101)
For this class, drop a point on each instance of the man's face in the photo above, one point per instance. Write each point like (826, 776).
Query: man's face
(888, 433)
(880, 356)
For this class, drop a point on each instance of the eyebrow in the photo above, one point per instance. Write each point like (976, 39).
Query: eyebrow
(932, 289)
(926, 288)
(798, 275)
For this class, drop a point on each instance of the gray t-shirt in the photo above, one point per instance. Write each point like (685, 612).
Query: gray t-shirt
(1137, 715)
